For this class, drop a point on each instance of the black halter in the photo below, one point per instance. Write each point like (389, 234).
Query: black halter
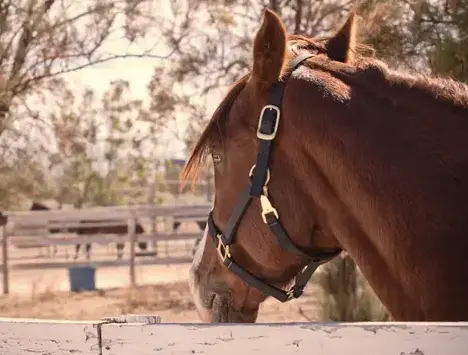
(259, 178)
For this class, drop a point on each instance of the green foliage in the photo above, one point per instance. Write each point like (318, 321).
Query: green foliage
(124, 162)
(21, 180)
(450, 58)
(172, 172)
(449, 54)
(424, 35)
(97, 152)
(346, 295)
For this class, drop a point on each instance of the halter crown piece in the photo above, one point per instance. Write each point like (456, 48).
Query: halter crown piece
(258, 188)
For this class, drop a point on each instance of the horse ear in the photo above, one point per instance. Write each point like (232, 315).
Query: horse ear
(269, 50)
(340, 46)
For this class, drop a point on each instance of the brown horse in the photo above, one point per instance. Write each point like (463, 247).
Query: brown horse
(3, 219)
(364, 159)
(86, 230)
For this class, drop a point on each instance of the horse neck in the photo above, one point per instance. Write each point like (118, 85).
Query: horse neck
(393, 188)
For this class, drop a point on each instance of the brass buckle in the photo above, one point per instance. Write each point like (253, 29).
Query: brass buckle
(223, 250)
(267, 208)
(271, 135)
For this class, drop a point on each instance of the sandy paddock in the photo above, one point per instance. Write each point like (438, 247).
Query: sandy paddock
(162, 290)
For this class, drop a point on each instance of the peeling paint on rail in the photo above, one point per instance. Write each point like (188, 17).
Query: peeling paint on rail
(144, 335)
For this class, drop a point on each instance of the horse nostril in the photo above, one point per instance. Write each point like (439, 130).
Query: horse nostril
(211, 300)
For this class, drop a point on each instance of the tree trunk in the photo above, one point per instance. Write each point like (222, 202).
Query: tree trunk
(275, 6)
(298, 17)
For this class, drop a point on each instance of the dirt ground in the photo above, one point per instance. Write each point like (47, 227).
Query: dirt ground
(162, 290)
(172, 302)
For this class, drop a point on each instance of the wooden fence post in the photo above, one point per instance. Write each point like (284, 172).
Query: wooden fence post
(154, 222)
(209, 188)
(6, 289)
(132, 235)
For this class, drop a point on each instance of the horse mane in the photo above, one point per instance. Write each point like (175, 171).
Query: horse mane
(372, 71)
(216, 126)
(363, 69)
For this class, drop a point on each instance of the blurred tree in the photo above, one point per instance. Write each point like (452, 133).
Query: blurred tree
(346, 295)
(428, 36)
(102, 149)
(449, 54)
(39, 40)
(210, 42)
(22, 178)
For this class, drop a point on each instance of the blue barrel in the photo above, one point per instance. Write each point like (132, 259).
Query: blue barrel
(82, 278)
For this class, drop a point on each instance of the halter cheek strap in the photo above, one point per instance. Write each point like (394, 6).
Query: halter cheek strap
(258, 188)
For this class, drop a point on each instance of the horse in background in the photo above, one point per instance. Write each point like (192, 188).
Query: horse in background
(3, 219)
(120, 229)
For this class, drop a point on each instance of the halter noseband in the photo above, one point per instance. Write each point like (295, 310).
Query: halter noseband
(258, 187)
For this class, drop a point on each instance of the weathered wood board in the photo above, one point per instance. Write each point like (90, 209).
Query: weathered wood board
(285, 339)
(142, 335)
(48, 337)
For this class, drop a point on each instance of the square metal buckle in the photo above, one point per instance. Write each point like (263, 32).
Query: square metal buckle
(293, 293)
(272, 135)
(223, 250)
(290, 294)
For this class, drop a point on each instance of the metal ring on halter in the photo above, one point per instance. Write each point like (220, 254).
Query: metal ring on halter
(267, 177)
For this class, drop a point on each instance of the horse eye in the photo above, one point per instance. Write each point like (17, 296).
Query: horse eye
(216, 158)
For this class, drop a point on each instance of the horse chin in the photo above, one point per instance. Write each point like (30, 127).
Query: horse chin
(203, 306)
(214, 299)
(222, 311)
(214, 308)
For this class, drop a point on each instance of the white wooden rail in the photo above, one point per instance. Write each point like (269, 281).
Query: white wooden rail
(142, 335)
(33, 226)
(113, 212)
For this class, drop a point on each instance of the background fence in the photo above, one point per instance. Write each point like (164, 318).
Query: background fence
(52, 228)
